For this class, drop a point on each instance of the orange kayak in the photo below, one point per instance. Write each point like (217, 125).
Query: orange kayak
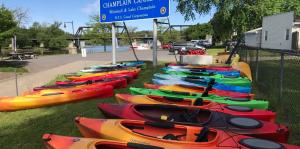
(53, 97)
(244, 68)
(169, 136)
(64, 142)
(93, 75)
(264, 115)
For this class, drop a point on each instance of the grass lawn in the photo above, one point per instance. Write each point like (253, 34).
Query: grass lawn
(214, 51)
(267, 87)
(24, 129)
(13, 69)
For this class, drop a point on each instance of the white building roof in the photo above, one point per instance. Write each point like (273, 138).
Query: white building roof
(254, 31)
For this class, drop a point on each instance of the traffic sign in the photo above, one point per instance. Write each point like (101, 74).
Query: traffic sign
(124, 10)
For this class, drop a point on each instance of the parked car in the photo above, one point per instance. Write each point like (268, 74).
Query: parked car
(205, 43)
(181, 47)
(166, 46)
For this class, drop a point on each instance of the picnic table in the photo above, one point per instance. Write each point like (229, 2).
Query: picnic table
(23, 55)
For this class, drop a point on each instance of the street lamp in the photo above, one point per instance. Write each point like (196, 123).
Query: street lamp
(65, 26)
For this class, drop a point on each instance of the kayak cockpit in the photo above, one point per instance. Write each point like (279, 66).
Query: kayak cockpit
(170, 132)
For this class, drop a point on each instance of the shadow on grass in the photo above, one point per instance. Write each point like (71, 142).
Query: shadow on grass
(12, 66)
(24, 129)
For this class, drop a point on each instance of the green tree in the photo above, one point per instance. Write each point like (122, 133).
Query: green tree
(236, 15)
(199, 31)
(7, 25)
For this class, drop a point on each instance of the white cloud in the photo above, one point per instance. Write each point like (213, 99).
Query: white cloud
(91, 8)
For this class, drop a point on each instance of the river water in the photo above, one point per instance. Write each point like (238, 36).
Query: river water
(96, 49)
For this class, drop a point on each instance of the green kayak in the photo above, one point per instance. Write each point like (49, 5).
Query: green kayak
(204, 74)
(255, 104)
(230, 81)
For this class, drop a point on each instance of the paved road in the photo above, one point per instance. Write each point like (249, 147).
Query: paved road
(45, 69)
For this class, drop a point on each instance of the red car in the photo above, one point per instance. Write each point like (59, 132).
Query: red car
(166, 46)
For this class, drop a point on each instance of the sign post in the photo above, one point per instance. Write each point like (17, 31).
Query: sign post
(112, 11)
(113, 32)
(154, 42)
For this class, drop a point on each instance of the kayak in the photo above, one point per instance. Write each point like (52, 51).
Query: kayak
(244, 69)
(138, 64)
(202, 83)
(255, 104)
(170, 136)
(52, 141)
(264, 115)
(200, 74)
(198, 89)
(233, 73)
(215, 68)
(98, 70)
(115, 82)
(90, 72)
(197, 117)
(229, 81)
(135, 72)
(128, 76)
(53, 97)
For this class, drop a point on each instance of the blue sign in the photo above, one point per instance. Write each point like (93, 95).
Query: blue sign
(124, 10)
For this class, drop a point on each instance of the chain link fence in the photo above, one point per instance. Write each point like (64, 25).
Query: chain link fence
(276, 78)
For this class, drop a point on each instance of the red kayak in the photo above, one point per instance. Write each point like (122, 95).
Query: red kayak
(198, 117)
(115, 82)
(264, 115)
(199, 89)
(129, 75)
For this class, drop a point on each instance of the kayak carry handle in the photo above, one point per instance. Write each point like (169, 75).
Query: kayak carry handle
(160, 125)
(52, 94)
(142, 146)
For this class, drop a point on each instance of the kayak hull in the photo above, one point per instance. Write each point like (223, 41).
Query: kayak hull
(54, 97)
(116, 83)
(134, 72)
(52, 141)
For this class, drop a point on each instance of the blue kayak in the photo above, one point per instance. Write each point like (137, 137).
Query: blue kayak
(199, 71)
(203, 83)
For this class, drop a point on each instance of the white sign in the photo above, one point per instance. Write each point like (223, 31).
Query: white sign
(83, 52)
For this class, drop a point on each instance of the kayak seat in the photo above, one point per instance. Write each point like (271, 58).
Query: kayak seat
(184, 117)
(170, 137)
(203, 135)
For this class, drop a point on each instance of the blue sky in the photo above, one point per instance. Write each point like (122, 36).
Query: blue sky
(48, 11)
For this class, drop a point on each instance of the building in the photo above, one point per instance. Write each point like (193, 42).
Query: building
(253, 38)
(279, 31)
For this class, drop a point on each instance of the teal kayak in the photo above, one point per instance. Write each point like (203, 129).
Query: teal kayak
(255, 104)
(229, 81)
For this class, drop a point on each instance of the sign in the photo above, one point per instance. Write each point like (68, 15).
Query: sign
(83, 52)
(124, 10)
